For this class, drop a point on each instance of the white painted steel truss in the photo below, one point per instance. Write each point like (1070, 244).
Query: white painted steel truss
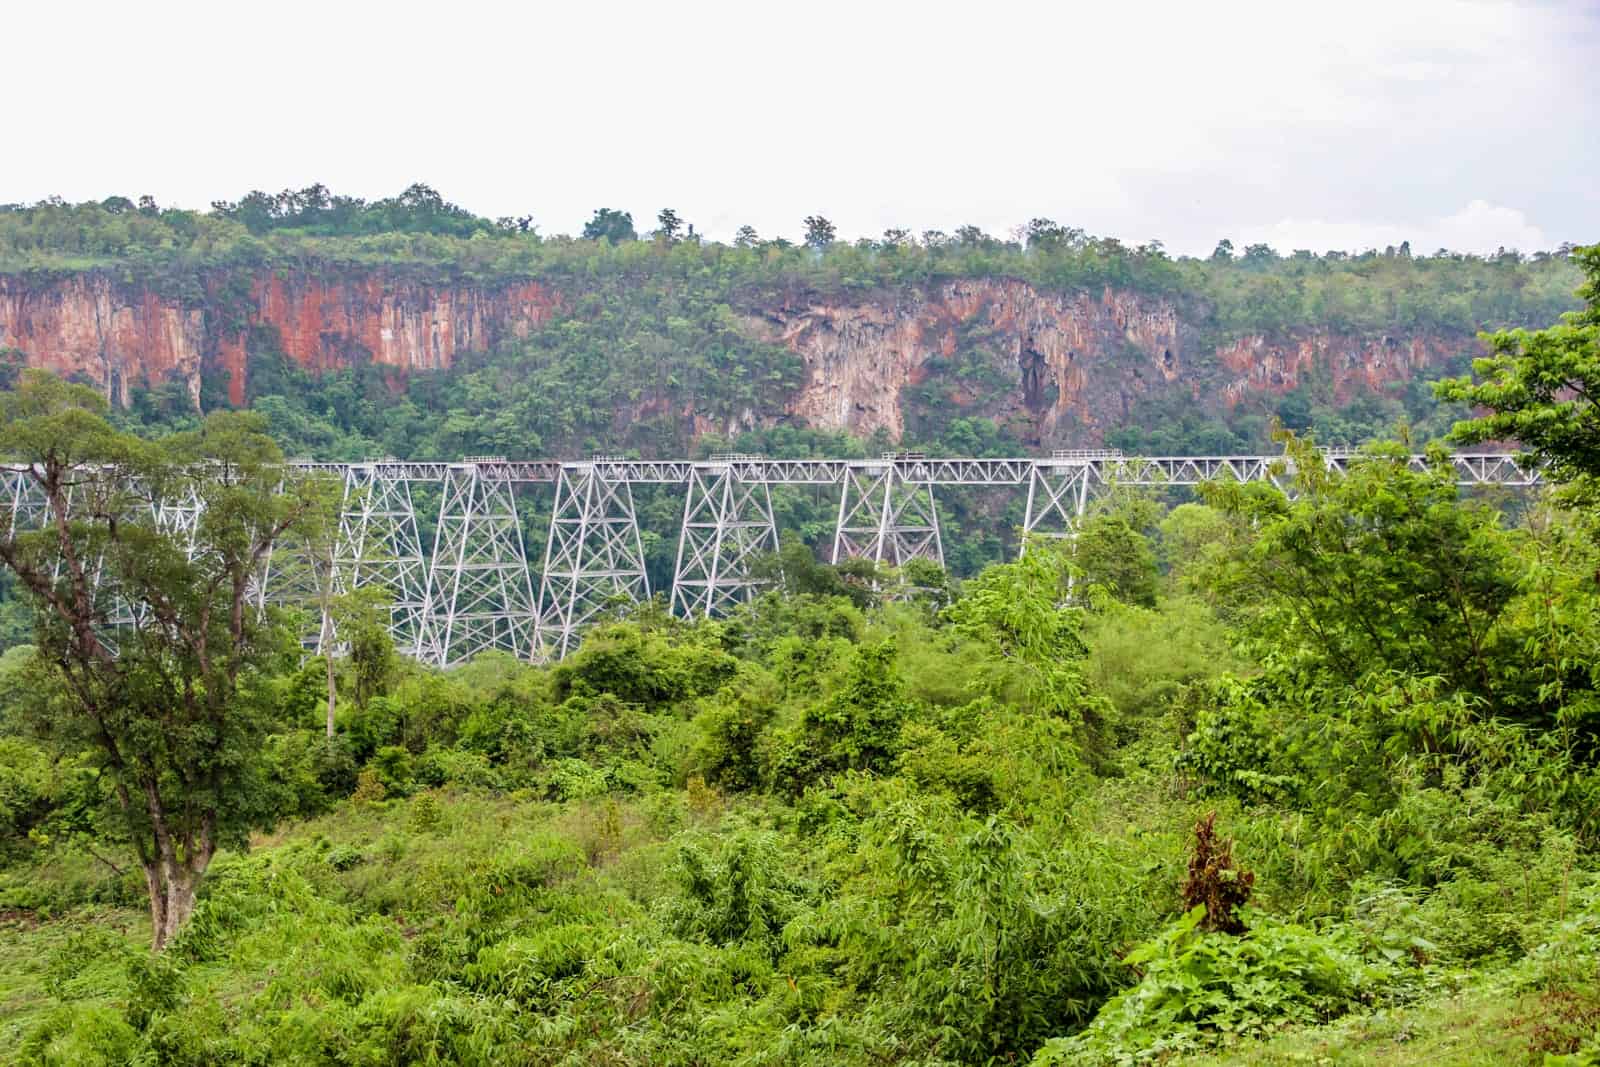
(26, 500)
(1058, 494)
(727, 523)
(473, 591)
(479, 597)
(594, 557)
(379, 546)
(887, 515)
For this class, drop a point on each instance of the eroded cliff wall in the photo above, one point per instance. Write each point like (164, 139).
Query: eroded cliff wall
(1061, 367)
(116, 336)
(85, 326)
(1056, 368)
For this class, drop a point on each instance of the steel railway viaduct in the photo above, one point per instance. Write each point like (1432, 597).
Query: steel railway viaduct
(475, 592)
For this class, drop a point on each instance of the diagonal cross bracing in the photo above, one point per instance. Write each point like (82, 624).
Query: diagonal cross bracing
(26, 500)
(1057, 497)
(478, 594)
(379, 546)
(593, 556)
(727, 522)
(886, 517)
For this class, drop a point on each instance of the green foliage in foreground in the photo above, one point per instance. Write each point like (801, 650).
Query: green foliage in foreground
(1194, 985)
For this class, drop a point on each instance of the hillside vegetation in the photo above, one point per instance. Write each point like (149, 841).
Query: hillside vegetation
(1267, 777)
(833, 830)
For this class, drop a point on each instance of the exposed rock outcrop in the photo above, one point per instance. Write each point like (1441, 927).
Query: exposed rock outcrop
(1056, 368)
(85, 326)
(116, 336)
(1354, 364)
(1065, 367)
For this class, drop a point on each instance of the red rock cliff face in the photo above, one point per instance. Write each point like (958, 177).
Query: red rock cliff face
(1070, 365)
(117, 337)
(1256, 365)
(1057, 368)
(83, 326)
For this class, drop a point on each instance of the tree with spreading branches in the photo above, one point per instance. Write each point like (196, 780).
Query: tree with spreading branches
(148, 641)
(1541, 388)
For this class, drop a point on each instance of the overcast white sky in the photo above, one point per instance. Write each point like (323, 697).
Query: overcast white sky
(1465, 123)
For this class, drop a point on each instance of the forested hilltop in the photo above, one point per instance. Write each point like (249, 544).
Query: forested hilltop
(411, 327)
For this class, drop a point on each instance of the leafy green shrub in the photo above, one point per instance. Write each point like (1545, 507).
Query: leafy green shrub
(977, 939)
(440, 766)
(511, 877)
(857, 728)
(392, 763)
(744, 891)
(935, 761)
(344, 857)
(1230, 750)
(573, 779)
(425, 816)
(416, 1024)
(379, 723)
(335, 766)
(155, 985)
(641, 667)
(307, 771)
(1142, 659)
(71, 970)
(501, 731)
(729, 730)
(27, 790)
(533, 969)
(80, 1035)
(1198, 989)
(369, 787)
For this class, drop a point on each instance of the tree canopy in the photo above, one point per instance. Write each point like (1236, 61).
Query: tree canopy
(1542, 388)
(148, 646)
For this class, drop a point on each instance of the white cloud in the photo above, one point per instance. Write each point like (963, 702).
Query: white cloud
(1479, 227)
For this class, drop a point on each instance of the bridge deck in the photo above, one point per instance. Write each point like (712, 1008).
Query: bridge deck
(1472, 468)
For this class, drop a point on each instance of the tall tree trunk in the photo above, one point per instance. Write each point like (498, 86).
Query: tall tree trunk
(158, 904)
(172, 897)
(172, 876)
(178, 904)
(333, 693)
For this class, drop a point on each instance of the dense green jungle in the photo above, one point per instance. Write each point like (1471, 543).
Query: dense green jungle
(1250, 777)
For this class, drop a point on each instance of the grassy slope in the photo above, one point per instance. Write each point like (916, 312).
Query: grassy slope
(1477, 1027)
(624, 849)
(406, 869)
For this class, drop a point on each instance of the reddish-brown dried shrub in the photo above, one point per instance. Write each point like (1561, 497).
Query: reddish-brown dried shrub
(1215, 880)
